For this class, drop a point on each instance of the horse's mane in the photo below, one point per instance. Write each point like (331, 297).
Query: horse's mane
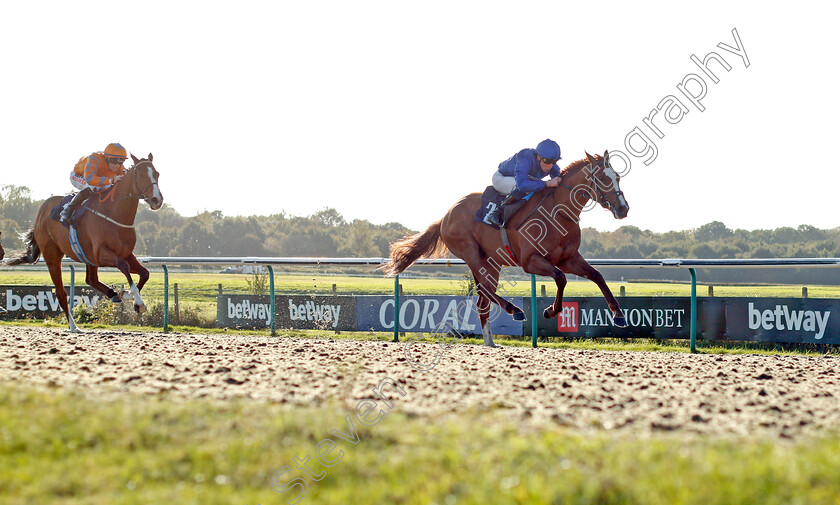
(574, 167)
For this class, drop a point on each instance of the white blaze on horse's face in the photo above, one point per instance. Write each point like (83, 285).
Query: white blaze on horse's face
(155, 200)
(620, 207)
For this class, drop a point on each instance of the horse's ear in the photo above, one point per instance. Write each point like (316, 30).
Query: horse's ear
(150, 156)
(606, 154)
(590, 158)
(136, 161)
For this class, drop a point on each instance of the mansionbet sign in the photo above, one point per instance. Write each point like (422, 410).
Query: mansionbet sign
(793, 320)
(590, 317)
(572, 318)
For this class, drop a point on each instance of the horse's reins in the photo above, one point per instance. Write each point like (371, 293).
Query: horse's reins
(131, 194)
(601, 197)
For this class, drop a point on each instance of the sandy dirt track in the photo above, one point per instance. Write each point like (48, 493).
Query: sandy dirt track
(779, 396)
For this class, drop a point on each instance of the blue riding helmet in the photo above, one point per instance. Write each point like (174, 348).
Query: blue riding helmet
(549, 149)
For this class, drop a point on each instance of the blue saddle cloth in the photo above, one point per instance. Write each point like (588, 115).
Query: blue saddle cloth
(490, 199)
(75, 218)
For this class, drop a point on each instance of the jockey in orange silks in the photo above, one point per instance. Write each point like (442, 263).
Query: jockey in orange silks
(93, 174)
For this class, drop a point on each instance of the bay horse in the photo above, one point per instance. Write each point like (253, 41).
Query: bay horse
(105, 233)
(544, 239)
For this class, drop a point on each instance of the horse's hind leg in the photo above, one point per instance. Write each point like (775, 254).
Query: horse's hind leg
(487, 281)
(92, 280)
(578, 266)
(484, 307)
(541, 266)
(52, 256)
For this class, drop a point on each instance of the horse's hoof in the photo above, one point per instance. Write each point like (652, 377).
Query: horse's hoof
(116, 299)
(140, 309)
(547, 313)
(620, 321)
(519, 316)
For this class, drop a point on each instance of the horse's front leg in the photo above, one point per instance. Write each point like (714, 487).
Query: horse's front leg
(578, 266)
(539, 265)
(107, 257)
(137, 268)
(92, 280)
(132, 291)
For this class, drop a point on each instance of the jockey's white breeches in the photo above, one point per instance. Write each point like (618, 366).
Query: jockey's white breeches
(503, 183)
(80, 183)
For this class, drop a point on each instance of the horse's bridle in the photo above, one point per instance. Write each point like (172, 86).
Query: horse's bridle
(141, 194)
(601, 196)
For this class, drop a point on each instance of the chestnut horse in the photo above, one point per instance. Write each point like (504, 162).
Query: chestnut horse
(544, 238)
(105, 232)
(2, 253)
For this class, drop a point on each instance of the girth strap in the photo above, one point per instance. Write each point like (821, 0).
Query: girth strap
(77, 247)
(506, 244)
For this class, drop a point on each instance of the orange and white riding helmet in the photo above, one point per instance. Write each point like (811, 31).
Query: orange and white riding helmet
(116, 152)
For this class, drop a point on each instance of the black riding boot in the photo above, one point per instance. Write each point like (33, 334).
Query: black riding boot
(500, 215)
(71, 207)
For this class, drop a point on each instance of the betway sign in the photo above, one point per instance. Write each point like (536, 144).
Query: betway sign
(40, 301)
(793, 320)
(784, 318)
(296, 311)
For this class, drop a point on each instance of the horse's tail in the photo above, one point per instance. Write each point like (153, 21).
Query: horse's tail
(32, 253)
(408, 250)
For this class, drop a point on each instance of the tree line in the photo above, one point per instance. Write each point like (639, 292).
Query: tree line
(327, 233)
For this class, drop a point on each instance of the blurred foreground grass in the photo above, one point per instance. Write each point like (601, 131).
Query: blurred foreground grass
(59, 446)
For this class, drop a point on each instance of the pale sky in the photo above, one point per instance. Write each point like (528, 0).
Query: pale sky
(391, 111)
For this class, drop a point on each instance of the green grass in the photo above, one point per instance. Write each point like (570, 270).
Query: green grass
(58, 446)
(200, 287)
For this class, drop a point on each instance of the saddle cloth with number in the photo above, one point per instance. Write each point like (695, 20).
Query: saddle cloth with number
(75, 218)
(490, 199)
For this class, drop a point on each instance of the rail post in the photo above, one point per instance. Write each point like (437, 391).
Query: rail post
(396, 308)
(72, 301)
(271, 298)
(165, 298)
(533, 310)
(693, 328)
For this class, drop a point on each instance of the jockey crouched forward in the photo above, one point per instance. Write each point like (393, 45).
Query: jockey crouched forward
(94, 174)
(521, 175)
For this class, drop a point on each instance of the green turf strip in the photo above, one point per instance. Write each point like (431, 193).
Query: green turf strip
(56, 446)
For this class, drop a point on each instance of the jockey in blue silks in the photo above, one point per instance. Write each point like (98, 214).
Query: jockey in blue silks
(521, 175)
